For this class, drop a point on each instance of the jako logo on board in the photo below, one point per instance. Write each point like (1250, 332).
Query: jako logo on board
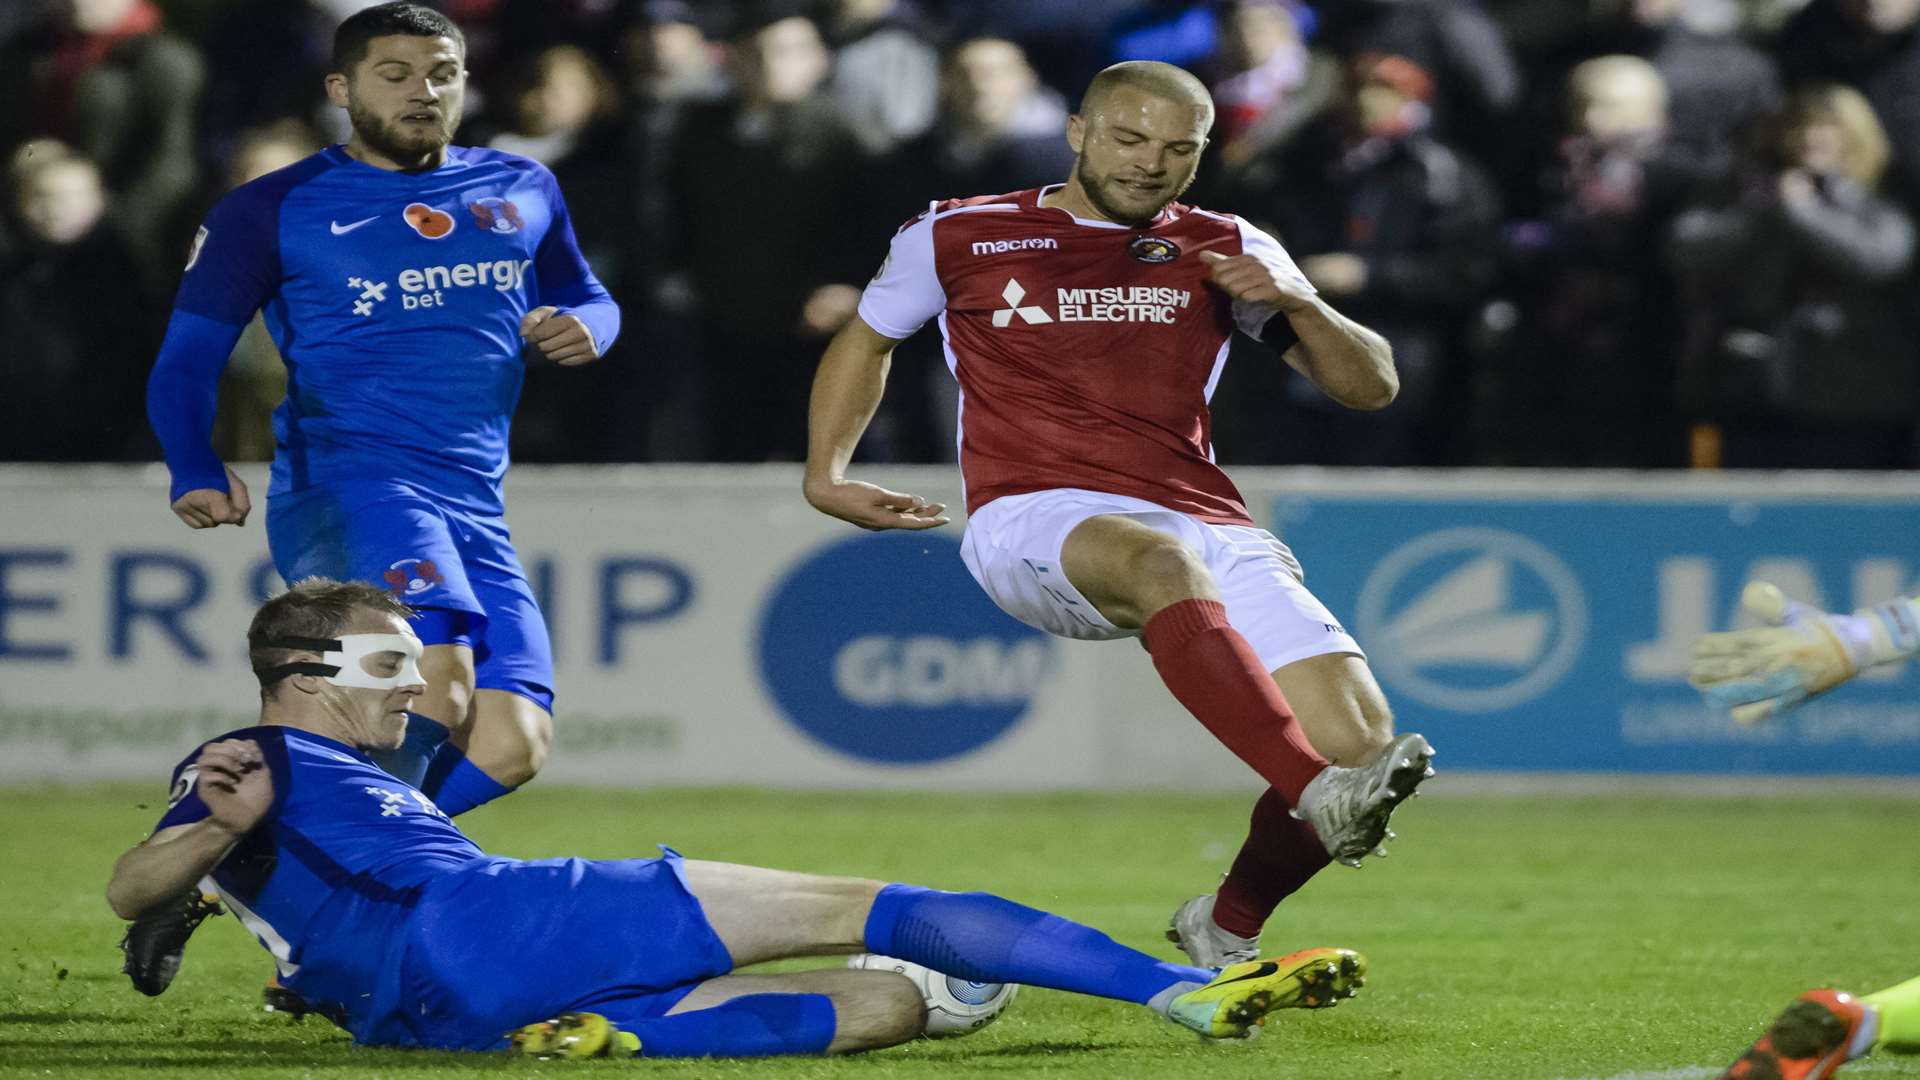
(883, 648)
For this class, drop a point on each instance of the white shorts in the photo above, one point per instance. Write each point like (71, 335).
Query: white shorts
(1012, 547)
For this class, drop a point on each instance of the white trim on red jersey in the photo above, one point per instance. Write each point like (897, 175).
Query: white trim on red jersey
(1251, 318)
(906, 288)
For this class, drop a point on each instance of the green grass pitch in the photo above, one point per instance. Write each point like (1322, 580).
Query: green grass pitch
(1511, 938)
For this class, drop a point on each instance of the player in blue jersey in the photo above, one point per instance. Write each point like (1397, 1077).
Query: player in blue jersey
(407, 283)
(381, 913)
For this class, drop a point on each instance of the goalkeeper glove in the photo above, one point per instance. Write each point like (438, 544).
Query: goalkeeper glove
(1799, 652)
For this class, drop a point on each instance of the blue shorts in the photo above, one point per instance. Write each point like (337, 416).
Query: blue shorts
(459, 569)
(504, 943)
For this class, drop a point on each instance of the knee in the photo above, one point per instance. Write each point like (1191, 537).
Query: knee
(888, 1011)
(1165, 573)
(510, 736)
(1169, 561)
(1376, 730)
(1368, 733)
(526, 753)
(448, 671)
(1340, 707)
(905, 1010)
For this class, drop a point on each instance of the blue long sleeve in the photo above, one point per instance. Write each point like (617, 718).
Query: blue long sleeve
(182, 395)
(567, 282)
(602, 317)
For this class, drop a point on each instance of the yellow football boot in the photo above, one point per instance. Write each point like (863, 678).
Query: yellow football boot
(1242, 995)
(570, 1036)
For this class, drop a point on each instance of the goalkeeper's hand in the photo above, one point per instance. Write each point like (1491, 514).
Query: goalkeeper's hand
(1799, 652)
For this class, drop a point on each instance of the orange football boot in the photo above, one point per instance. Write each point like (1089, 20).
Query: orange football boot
(1807, 1041)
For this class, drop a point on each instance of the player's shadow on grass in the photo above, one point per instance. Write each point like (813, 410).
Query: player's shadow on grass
(1036, 1049)
(31, 1018)
(96, 977)
(84, 1059)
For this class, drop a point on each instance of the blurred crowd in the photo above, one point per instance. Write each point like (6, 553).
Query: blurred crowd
(1641, 233)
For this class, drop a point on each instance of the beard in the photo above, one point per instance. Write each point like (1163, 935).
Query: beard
(1096, 188)
(390, 141)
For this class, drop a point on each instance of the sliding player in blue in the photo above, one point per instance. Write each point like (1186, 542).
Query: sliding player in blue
(381, 913)
(407, 283)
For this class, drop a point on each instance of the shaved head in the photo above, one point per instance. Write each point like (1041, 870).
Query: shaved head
(1151, 77)
(1137, 141)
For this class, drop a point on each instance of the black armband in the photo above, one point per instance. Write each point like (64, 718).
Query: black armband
(1277, 334)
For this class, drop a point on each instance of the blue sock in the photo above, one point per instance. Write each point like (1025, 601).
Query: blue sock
(758, 1025)
(409, 762)
(457, 785)
(984, 938)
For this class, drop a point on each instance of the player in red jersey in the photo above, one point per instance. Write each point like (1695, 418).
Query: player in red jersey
(1087, 323)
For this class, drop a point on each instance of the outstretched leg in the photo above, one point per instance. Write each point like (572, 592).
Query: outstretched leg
(756, 915)
(763, 915)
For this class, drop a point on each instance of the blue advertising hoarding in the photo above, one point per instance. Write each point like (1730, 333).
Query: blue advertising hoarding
(1546, 632)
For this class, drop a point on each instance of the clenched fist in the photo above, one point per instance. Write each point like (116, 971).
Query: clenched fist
(563, 339)
(1245, 277)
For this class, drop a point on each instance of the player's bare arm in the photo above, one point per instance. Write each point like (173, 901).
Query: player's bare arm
(1348, 362)
(846, 391)
(205, 508)
(234, 783)
(561, 338)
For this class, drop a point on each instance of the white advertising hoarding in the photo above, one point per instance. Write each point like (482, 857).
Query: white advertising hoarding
(711, 628)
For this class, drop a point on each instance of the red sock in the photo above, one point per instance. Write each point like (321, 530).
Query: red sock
(1278, 857)
(1215, 674)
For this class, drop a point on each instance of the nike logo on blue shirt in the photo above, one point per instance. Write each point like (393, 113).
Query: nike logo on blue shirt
(342, 230)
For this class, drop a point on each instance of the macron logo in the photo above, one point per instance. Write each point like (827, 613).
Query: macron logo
(1031, 243)
(1013, 294)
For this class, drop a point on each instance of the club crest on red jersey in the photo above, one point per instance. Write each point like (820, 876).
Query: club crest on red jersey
(1153, 249)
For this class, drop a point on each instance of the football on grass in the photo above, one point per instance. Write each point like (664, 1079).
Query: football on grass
(954, 1006)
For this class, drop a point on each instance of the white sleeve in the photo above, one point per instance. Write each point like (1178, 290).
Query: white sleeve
(1251, 317)
(907, 291)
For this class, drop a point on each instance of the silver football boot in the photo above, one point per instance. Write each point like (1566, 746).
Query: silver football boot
(1349, 808)
(1205, 943)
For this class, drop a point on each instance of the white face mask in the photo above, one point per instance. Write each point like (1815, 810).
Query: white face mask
(358, 655)
(350, 660)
